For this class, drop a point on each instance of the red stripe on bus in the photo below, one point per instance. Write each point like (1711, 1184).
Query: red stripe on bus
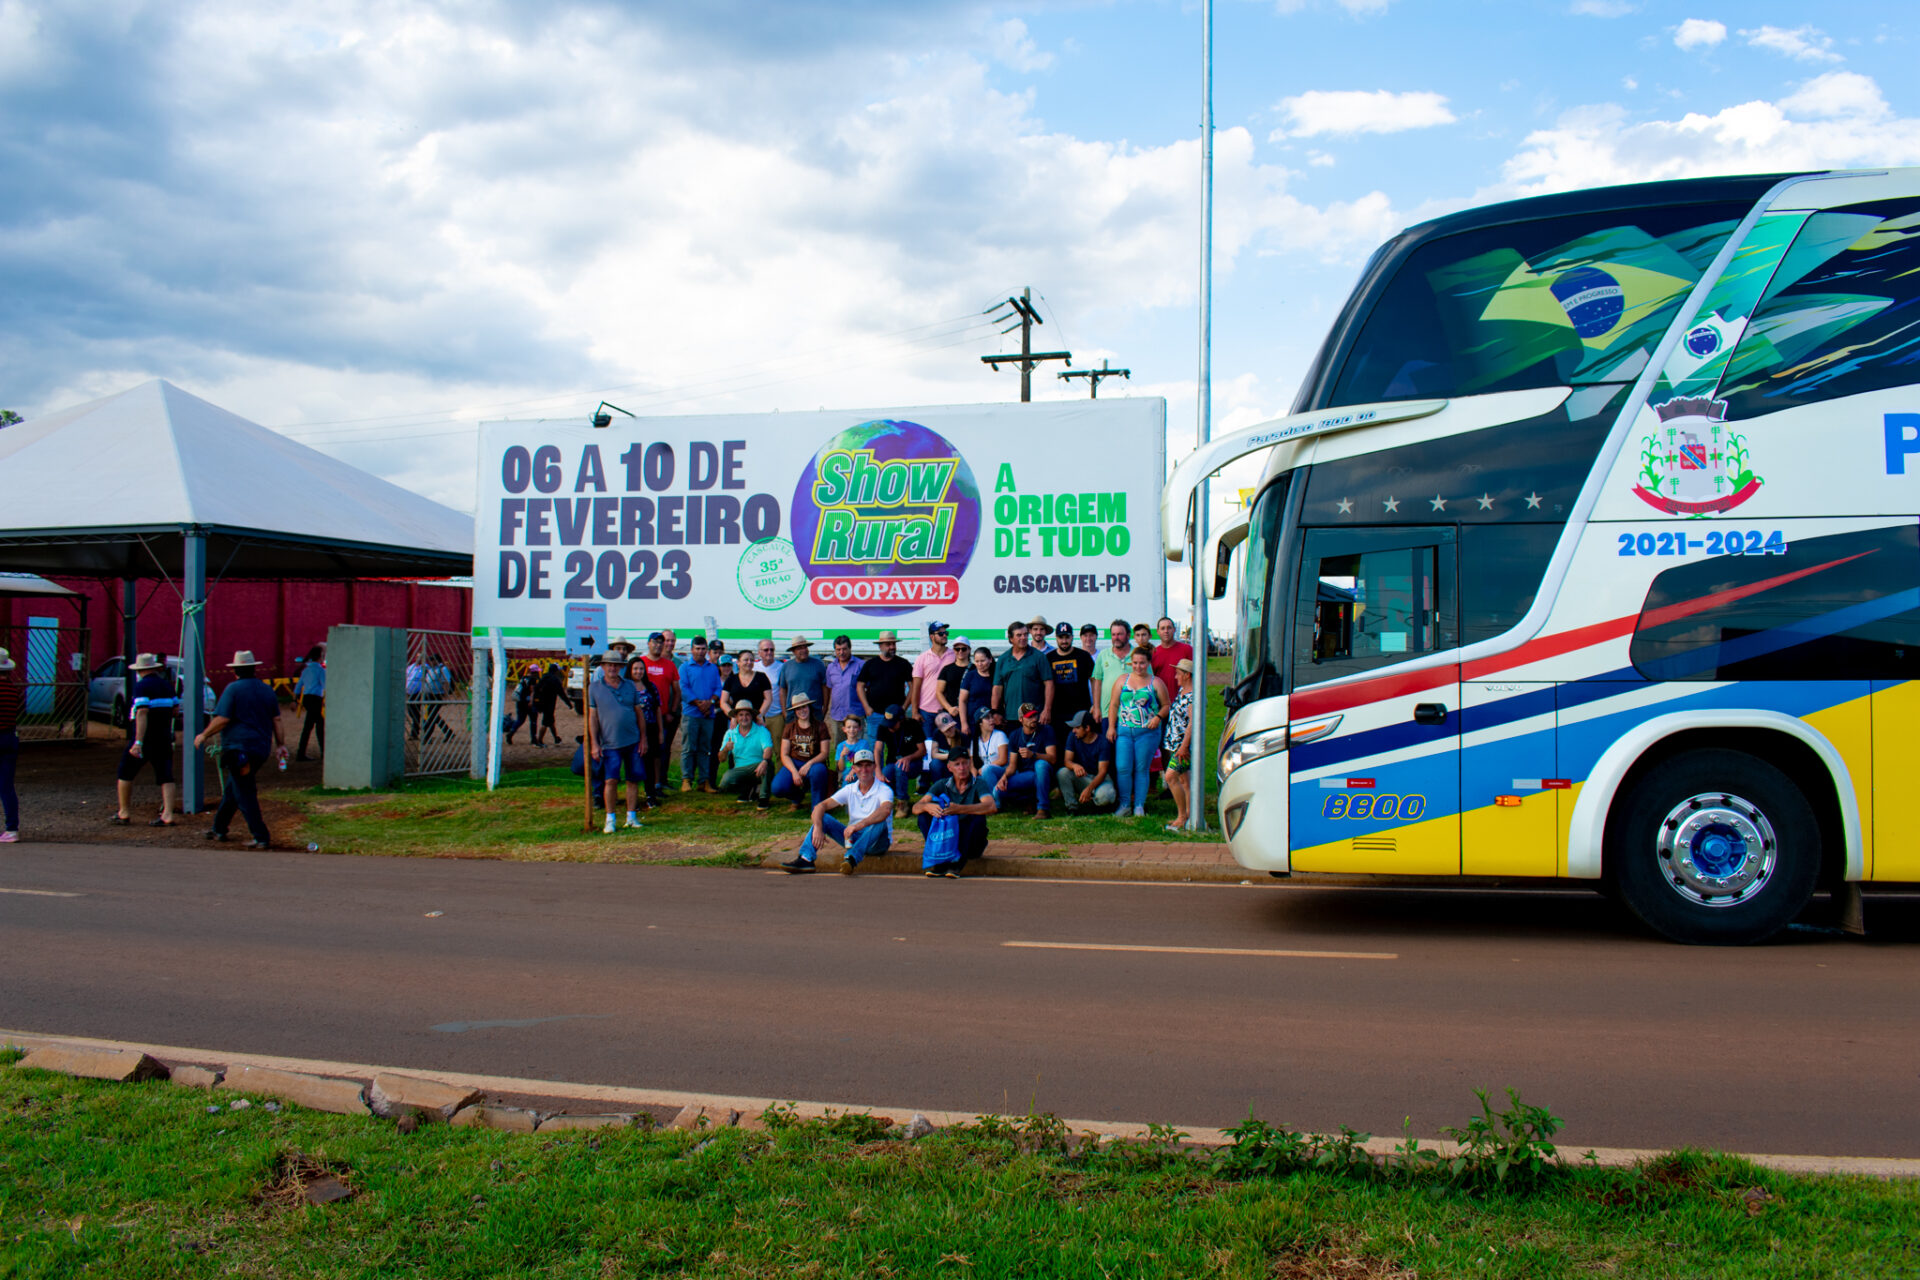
(1321, 701)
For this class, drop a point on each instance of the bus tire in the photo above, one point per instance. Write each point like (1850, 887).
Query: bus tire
(1717, 847)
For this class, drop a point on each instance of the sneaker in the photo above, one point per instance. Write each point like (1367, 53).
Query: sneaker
(1041, 813)
(798, 867)
(1140, 812)
(632, 823)
(848, 866)
(685, 787)
(761, 805)
(221, 836)
(934, 873)
(9, 837)
(951, 873)
(608, 829)
(257, 844)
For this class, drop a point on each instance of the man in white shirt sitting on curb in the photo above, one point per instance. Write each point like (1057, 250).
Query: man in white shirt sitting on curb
(869, 831)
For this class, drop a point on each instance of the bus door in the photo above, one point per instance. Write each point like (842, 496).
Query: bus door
(1378, 792)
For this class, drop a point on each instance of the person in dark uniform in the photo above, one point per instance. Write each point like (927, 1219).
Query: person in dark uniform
(547, 695)
(247, 718)
(155, 703)
(309, 695)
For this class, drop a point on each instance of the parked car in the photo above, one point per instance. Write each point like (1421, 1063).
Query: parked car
(107, 689)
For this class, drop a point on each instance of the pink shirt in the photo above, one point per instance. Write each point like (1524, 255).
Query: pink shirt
(926, 669)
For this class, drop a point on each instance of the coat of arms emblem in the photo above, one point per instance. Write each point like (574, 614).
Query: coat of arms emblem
(1693, 465)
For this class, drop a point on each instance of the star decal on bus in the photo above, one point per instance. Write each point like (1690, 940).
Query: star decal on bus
(1346, 506)
(1533, 502)
(1391, 504)
(1438, 503)
(1486, 501)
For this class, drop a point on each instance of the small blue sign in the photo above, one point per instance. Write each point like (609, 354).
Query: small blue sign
(586, 628)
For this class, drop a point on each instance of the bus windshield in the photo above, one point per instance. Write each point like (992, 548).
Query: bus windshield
(1550, 302)
(1257, 564)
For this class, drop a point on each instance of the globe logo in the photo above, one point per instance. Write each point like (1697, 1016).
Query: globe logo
(1593, 300)
(1702, 341)
(885, 519)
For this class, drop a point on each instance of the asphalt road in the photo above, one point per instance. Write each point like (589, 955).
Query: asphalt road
(903, 992)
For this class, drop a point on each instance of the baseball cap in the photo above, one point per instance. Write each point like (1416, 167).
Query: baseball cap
(658, 635)
(863, 756)
(1077, 720)
(1064, 630)
(935, 626)
(1089, 630)
(944, 722)
(1028, 709)
(961, 642)
(891, 714)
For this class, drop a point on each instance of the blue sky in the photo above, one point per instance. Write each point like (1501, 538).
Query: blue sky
(377, 223)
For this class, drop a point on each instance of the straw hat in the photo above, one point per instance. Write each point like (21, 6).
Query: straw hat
(1185, 664)
(798, 701)
(800, 642)
(886, 637)
(145, 662)
(244, 658)
(6, 662)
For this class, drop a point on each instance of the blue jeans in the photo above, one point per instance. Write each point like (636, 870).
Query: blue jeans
(900, 775)
(1035, 784)
(9, 798)
(696, 749)
(1133, 751)
(784, 786)
(871, 842)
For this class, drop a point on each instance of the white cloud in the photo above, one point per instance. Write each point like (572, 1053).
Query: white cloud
(1807, 44)
(1837, 94)
(1320, 159)
(1344, 112)
(1358, 8)
(1629, 83)
(1699, 33)
(1601, 8)
(1850, 126)
(1013, 47)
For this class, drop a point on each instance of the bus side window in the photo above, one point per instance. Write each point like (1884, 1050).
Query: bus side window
(1841, 607)
(1371, 598)
(1501, 566)
(1839, 316)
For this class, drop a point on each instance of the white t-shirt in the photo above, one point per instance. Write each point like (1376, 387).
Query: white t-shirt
(860, 806)
(990, 748)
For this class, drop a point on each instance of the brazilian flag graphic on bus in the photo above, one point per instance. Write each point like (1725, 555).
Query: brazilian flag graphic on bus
(1593, 304)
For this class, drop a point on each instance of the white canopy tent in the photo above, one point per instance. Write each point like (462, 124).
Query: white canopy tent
(157, 483)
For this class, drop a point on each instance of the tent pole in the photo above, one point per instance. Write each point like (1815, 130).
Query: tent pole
(193, 669)
(129, 635)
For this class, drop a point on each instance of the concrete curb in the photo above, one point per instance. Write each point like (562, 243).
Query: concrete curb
(1067, 868)
(699, 1110)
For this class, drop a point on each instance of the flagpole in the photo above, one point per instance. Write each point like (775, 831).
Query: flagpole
(1203, 430)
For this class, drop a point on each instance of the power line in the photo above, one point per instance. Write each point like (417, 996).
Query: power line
(1093, 377)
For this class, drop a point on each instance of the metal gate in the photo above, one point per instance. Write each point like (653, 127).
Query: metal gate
(439, 676)
(50, 661)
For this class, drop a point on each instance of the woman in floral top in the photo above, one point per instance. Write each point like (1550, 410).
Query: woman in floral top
(1177, 742)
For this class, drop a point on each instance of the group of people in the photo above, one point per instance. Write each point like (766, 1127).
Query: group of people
(974, 736)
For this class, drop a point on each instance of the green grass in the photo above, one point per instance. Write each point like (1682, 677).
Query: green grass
(130, 1181)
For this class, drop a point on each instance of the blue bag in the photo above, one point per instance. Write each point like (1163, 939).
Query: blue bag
(943, 842)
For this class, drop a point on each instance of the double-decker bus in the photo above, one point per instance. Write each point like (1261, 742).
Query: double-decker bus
(1591, 551)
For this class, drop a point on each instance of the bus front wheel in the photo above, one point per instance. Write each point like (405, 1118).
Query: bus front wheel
(1715, 847)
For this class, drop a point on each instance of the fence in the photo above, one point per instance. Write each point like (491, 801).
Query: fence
(50, 660)
(439, 676)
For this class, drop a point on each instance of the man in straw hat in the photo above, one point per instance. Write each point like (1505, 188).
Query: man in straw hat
(154, 706)
(11, 702)
(804, 673)
(247, 718)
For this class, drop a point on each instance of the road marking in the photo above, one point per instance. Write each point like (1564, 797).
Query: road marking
(1207, 951)
(44, 893)
(456, 1028)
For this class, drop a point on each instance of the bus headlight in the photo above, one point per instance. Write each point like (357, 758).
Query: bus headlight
(1255, 746)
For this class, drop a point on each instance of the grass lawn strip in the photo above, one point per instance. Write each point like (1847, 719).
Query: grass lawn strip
(140, 1180)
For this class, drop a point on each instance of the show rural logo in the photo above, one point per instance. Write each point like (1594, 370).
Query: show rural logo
(1692, 464)
(885, 518)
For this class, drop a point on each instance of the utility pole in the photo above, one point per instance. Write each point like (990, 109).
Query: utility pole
(1028, 357)
(1093, 377)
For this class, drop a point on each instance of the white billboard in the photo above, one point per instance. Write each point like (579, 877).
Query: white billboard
(823, 523)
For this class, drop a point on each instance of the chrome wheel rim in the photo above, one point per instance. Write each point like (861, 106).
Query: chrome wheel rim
(1717, 850)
